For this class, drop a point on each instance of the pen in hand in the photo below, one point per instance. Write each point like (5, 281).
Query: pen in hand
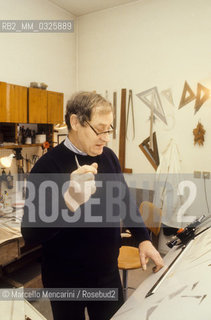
(76, 160)
(82, 185)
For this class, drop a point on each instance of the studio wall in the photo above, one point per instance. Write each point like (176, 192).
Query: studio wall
(144, 44)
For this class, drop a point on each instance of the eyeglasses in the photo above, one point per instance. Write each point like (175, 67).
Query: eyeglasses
(100, 133)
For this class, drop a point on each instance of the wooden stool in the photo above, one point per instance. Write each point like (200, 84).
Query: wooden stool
(128, 259)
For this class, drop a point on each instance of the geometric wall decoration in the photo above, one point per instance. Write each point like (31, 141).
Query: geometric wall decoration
(151, 153)
(201, 99)
(152, 100)
(199, 133)
(186, 99)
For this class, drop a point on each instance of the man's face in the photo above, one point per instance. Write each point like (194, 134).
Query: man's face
(87, 140)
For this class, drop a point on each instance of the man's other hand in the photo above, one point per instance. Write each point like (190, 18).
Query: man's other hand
(147, 250)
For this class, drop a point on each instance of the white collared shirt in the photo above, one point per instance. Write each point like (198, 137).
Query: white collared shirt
(73, 148)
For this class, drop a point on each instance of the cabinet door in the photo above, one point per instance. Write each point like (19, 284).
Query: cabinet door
(13, 103)
(18, 103)
(3, 104)
(37, 105)
(55, 107)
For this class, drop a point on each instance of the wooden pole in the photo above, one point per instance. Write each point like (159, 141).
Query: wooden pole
(122, 136)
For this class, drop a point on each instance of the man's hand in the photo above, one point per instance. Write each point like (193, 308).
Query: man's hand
(82, 186)
(147, 250)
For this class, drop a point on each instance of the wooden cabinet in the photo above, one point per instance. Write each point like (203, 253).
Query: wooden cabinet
(13, 103)
(37, 105)
(45, 106)
(3, 105)
(55, 107)
(20, 104)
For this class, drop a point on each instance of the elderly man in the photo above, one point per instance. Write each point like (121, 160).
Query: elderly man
(85, 256)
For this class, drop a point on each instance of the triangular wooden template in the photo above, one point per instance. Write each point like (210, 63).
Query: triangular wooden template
(186, 99)
(168, 95)
(201, 100)
(147, 97)
(151, 155)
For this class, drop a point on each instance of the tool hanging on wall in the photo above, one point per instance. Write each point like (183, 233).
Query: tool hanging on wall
(186, 99)
(151, 153)
(151, 123)
(149, 146)
(19, 161)
(201, 100)
(122, 136)
(130, 104)
(28, 164)
(114, 113)
(199, 133)
(152, 94)
(20, 169)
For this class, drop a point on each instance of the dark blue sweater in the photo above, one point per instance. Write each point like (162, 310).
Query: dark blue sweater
(81, 246)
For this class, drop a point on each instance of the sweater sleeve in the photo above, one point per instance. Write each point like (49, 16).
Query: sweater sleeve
(133, 220)
(36, 227)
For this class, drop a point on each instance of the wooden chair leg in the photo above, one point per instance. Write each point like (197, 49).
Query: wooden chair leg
(124, 280)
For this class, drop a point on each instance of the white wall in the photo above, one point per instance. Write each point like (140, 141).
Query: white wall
(145, 44)
(40, 57)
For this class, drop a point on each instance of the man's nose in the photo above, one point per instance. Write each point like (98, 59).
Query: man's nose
(105, 137)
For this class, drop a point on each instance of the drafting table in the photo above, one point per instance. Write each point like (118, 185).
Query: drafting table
(185, 292)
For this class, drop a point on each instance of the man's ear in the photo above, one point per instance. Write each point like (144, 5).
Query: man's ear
(74, 122)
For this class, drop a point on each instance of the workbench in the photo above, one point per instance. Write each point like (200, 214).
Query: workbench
(11, 239)
(11, 242)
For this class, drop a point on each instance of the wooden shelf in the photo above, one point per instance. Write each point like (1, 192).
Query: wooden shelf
(16, 146)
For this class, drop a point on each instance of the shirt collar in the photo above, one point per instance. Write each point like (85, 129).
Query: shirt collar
(73, 148)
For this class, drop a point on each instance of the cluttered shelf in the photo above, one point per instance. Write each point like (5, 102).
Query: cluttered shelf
(18, 136)
(16, 146)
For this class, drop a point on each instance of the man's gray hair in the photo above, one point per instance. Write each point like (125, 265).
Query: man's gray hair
(82, 103)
